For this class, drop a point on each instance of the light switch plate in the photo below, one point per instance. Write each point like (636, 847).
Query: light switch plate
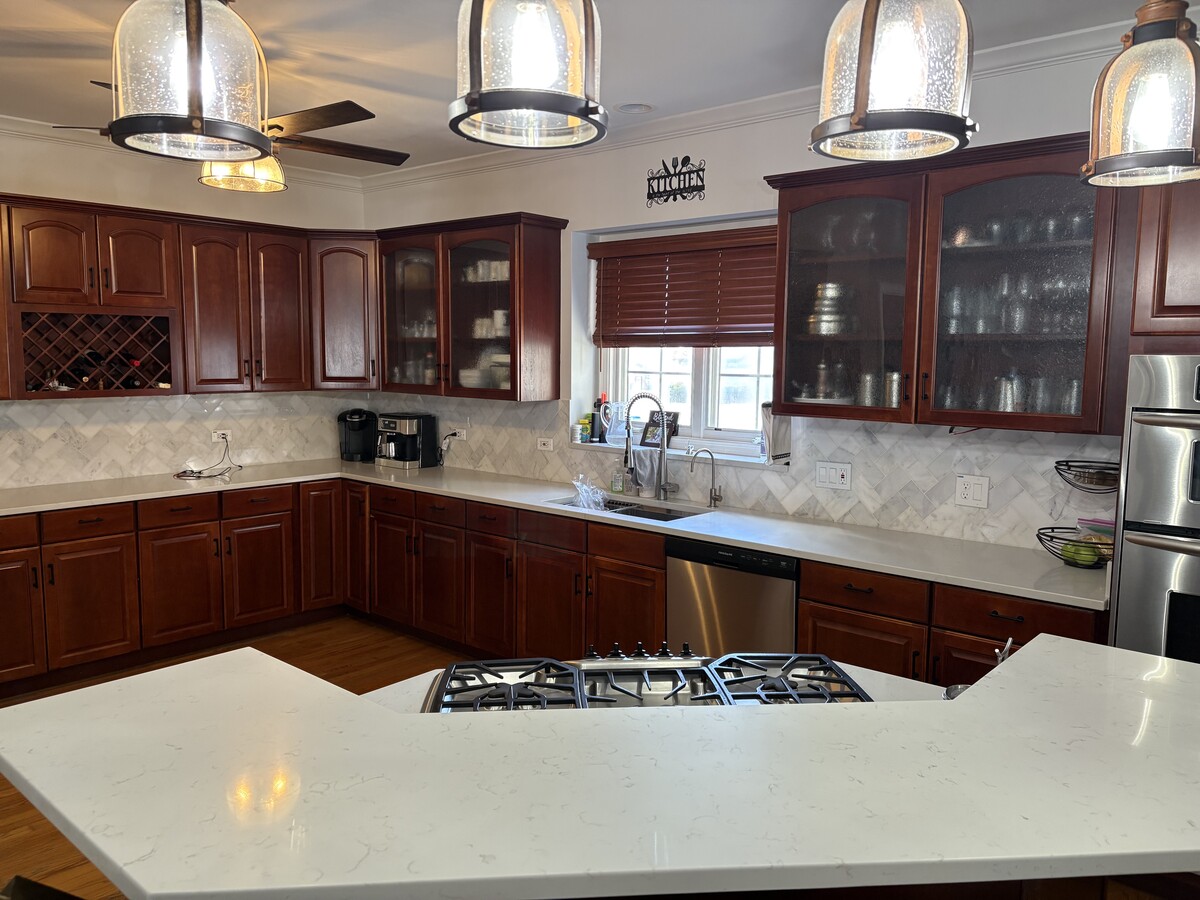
(835, 476)
(971, 490)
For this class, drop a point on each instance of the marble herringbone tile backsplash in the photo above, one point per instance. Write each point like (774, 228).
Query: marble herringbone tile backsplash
(903, 474)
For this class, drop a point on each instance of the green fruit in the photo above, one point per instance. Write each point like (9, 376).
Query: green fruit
(1080, 554)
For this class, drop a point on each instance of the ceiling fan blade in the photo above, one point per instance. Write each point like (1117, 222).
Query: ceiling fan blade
(107, 85)
(349, 151)
(318, 117)
(103, 132)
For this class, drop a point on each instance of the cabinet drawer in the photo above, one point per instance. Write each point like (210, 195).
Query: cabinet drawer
(257, 501)
(884, 595)
(442, 510)
(177, 511)
(628, 545)
(18, 531)
(87, 522)
(392, 501)
(1000, 617)
(552, 531)
(485, 517)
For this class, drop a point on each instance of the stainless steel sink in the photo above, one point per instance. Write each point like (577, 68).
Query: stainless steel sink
(637, 510)
(610, 505)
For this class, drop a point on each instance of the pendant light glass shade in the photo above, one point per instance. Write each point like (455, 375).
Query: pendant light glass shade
(259, 176)
(189, 81)
(1144, 115)
(897, 81)
(529, 73)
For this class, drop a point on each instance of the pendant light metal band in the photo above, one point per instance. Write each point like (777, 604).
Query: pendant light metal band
(476, 60)
(589, 51)
(866, 50)
(194, 27)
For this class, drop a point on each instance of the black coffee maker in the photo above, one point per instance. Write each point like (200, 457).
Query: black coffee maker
(358, 431)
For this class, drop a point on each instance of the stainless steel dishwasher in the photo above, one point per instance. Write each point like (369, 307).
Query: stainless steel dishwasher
(724, 599)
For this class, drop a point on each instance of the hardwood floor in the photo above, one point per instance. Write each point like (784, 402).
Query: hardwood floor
(349, 652)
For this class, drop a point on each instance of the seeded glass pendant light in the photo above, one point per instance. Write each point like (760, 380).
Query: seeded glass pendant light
(529, 73)
(1144, 115)
(189, 81)
(897, 81)
(258, 176)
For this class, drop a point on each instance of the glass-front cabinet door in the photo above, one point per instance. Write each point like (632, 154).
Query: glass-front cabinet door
(850, 266)
(480, 283)
(1012, 331)
(412, 316)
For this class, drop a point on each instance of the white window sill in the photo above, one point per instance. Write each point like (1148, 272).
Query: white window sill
(746, 462)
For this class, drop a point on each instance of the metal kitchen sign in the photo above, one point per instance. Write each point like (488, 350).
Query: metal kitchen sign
(681, 180)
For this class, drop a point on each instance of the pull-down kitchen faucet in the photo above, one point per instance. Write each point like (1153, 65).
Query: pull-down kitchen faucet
(664, 487)
(714, 492)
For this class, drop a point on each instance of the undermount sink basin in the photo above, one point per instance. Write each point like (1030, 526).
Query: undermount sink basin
(637, 510)
(609, 504)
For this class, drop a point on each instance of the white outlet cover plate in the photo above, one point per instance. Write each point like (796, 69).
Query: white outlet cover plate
(545, 444)
(222, 434)
(835, 476)
(971, 490)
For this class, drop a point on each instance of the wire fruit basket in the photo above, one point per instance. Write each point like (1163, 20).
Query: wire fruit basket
(1082, 551)
(1090, 475)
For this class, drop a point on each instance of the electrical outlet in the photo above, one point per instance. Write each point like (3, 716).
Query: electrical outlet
(545, 444)
(222, 435)
(835, 476)
(971, 490)
(459, 433)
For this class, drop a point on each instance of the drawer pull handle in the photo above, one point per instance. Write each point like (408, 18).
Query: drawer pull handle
(578, 587)
(260, 499)
(35, 578)
(229, 546)
(916, 656)
(933, 679)
(851, 587)
(107, 283)
(995, 614)
(487, 518)
(437, 508)
(95, 521)
(50, 574)
(508, 567)
(217, 548)
(181, 509)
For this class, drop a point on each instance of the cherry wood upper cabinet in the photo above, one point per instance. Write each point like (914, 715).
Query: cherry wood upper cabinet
(345, 318)
(216, 308)
(139, 262)
(54, 258)
(22, 617)
(5, 268)
(1167, 278)
(279, 313)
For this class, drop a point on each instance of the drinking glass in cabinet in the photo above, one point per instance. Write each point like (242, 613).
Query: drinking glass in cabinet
(481, 307)
(411, 313)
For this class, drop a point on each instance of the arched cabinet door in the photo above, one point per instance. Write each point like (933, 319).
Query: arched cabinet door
(139, 262)
(216, 309)
(345, 318)
(279, 312)
(54, 257)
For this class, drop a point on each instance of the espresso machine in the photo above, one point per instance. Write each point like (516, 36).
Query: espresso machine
(357, 434)
(407, 441)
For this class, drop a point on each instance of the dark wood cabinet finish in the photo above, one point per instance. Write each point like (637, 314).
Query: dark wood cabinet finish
(393, 501)
(22, 615)
(885, 645)
(345, 318)
(54, 257)
(139, 262)
(439, 595)
(322, 545)
(6, 391)
(959, 659)
(1167, 277)
(442, 510)
(279, 312)
(626, 603)
(491, 519)
(91, 592)
(552, 531)
(87, 522)
(216, 308)
(550, 602)
(491, 594)
(169, 511)
(18, 531)
(258, 501)
(999, 616)
(356, 537)
(258, 568)
(181, 579)
(644, 548)
(870, 592)
(392, 568)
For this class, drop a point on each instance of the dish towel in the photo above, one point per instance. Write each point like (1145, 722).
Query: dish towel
(777, 437)
(645, 466)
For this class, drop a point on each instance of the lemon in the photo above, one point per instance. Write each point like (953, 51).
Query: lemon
(1080, 554)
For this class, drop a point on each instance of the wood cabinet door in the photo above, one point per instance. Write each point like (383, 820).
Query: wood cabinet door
(279, 312)
(392, 568)
(491, 617)
(91, 590)
(356, 543)
(1166, 291)
(216, 308)
(54, 257)
(22, 615)
(322, 545)
(345, 315)
(959, 658)
(181, 582)
(626, 604)
(5, 298)
(550, 602)
(258, 569)
(139, 262)
(481, 277)
(886, 645)
(439, 597)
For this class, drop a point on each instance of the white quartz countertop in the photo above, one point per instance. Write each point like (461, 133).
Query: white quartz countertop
(1007, 570)
(239, 776)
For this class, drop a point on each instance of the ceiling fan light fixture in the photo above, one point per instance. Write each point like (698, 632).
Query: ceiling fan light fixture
(529, 73)
(1144, 109)
(258, 176)
(897, 81)
(189, 81)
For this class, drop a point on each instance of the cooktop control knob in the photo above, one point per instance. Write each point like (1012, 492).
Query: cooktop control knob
(615, 652)
(592, 654)
(664, 651)
(686, 652)
(639, 652)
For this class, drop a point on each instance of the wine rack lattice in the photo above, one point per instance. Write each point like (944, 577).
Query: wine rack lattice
(93, 353)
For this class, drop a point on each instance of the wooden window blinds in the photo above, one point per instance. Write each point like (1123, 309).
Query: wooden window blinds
(711, 289)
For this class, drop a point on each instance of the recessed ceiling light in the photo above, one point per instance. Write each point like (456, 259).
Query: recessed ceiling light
(635, 109)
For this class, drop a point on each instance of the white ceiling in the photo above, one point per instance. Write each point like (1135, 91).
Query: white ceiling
(397, 58)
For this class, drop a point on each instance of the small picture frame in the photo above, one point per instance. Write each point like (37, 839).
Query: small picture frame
(652, 432)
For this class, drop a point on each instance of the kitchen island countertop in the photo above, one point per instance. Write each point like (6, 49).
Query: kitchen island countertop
(239, 776)
(1022, 572)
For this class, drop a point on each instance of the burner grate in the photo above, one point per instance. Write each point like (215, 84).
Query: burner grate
(761, 678)
(503, 685)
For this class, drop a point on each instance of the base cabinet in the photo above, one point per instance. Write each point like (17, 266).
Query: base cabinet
(391, 594)
(439, 607)
(259, 574)
(550, 602)
(181, 582)
(356, 537)
(91, 590)
(960, 658)
(626, 604)
(491, 594)
(874, 642)
(322, 545)
(22, 615)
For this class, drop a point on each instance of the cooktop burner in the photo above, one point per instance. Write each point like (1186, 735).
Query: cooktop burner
(506, 684)
(758, 678)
